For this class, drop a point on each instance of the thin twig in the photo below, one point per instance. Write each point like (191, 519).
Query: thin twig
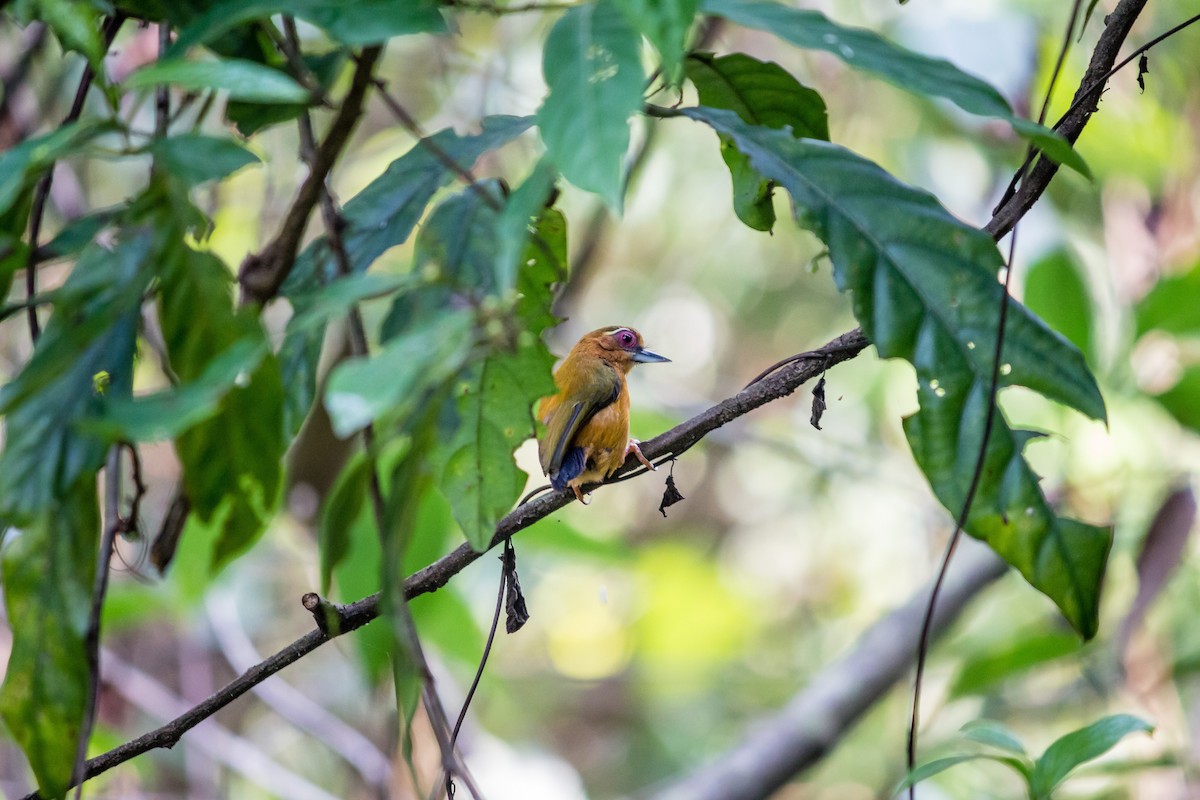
(1104, 55)
(988, 424)
(42, 191)
(162, 93)
(112, 524)
(448, 778)
(412, 126)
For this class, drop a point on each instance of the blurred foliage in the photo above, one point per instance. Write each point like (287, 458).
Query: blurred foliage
(654, 642)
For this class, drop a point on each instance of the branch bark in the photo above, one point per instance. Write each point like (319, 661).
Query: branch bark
(350, 617)
(778, 747)
(262, 273)
(1087, 100)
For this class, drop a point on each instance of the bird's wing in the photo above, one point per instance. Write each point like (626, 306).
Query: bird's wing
(565, 419)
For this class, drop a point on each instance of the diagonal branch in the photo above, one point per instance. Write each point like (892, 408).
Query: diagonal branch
(816, 718)
(1087, 100)
(337, 620)
(264, 272)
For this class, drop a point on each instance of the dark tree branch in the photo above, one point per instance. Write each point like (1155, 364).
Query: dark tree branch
(341, 619)
(1087, 99)
(783, 744)
(264, 272)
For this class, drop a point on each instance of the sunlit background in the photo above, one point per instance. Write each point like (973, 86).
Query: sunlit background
(657, 642)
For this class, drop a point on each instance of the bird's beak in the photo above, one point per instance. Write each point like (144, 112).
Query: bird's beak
(644, 356)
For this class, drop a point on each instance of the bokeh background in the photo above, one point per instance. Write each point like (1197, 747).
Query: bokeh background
(656, 643)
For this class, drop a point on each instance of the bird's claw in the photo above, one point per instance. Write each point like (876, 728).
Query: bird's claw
(637, 453)
(580, 496)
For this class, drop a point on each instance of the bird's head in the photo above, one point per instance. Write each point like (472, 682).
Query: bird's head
(620, 346)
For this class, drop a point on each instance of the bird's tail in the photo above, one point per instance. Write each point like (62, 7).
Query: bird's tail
(572, 467)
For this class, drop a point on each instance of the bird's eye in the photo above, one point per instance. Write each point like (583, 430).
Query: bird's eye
(626, 338)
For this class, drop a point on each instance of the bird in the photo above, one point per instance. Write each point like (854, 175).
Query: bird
(587, 421)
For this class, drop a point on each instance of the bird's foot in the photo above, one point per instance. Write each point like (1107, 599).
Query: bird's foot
(579, 495)
(637, 453)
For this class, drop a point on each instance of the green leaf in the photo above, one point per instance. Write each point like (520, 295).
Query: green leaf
(48, 568)
(343, 507)
(517, 222)
(1182, 401)
(351, 22)
(993, 734)
(76, 23)
(379, 217)
(929, 769)
(393, 381)
(1055, 290)
(363, 22)
(1082, 746)
(1014, 655)
(243, 80)
(79, 233)
(913, 72)
(1052, 144)
(1171, 305)
(249, 118)
(20, 165)
(494, 399)
(232, 461)
(593, 68)
(666, 23)
(195, 159)
(384, 214)
(84, 354)
(924, 289)
(167, 414)
(315, 309)
(762, 93)
(911, 265)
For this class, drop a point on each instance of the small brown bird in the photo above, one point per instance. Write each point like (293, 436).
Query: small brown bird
(587, 422)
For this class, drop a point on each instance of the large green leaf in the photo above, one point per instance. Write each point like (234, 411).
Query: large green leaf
(394, 381)
(76, 23)
(352, 22)
(384, 213)
(1079, 747)
(1013, 655)
(232, 461)
(762, 93)
(494, 399)
(378, 218)
(243, 80)
(1056, 291)
(923, 286)
(913, 72)
(48, 570)
(666, 23)
(195, 159)
(249, 118)
(167, 414)
(592, 64)
(84, 354)
(1171, 305)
